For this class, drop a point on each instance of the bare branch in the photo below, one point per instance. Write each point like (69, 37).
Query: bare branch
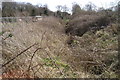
(18, 55)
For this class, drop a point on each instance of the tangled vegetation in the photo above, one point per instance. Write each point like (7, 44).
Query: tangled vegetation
(81, 45)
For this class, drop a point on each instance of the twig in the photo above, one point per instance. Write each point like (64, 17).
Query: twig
(42, 37)
(38, 68)
(112, 65)
(35, 52)
(6, 38)
(32, 58)
(17, 55)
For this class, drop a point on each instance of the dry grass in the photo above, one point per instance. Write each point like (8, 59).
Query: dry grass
(47, 59)
(96, 52)
(52, 56)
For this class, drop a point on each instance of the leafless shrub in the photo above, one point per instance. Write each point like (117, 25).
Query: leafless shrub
(85, 22)
(47, 59)
(52, 57)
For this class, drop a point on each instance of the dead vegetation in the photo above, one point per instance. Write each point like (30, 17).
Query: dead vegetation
(43, 50)
(96, 51)
(37, 48)
(81, 23)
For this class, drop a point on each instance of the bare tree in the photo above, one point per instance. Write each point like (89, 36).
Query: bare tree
(59, 8)
(65, 8)
(75, 8)
(90, 6)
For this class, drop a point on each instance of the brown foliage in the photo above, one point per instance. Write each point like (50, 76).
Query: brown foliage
(81, 23)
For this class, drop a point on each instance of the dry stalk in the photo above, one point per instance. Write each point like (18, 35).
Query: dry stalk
(35, 52)
(18, 55)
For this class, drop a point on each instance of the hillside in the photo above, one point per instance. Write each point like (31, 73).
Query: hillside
(49, 40)
(43, 49)
(83, 44)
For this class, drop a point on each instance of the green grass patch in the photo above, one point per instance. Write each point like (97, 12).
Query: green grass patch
(55, 63)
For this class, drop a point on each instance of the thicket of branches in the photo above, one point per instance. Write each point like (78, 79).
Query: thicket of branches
(42, 49)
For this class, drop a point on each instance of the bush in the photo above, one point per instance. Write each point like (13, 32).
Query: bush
(83, 23)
